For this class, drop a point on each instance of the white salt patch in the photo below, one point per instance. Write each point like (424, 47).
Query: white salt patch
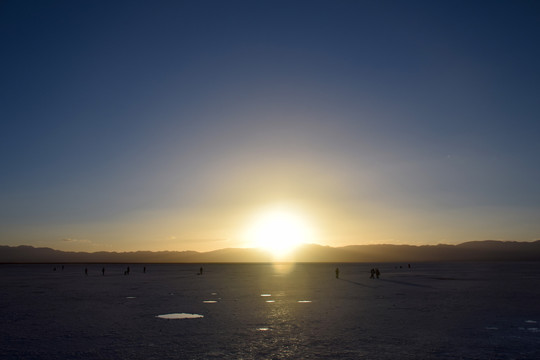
(266, 294)
(270, 301)
(530, 321)
(209, 301)
(180, 316)
(304, 301)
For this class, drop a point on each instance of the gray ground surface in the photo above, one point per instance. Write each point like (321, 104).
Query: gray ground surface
(432, 311)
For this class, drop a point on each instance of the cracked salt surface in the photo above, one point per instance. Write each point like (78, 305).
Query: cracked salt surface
(180, 316)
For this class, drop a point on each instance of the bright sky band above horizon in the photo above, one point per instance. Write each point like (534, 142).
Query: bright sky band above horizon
(176, 125)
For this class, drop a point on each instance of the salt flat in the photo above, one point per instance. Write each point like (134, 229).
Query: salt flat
(262, 311)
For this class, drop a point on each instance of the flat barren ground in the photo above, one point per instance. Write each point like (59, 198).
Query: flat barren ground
(264, 311)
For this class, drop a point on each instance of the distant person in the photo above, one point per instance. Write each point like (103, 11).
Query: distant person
(62, 267)
(409, 266)
(377, 272)
(54, 268)
(337, 273)
(200, 271)
(86, 271)
(372, 272)
(127, 270)
(103, 271)
(144, 270)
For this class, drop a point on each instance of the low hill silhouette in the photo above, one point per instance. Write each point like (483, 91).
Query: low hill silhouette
(488, 250)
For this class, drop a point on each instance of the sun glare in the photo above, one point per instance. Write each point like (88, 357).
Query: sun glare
(278, 231)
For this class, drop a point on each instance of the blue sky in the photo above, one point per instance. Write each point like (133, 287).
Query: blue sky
(132, 125)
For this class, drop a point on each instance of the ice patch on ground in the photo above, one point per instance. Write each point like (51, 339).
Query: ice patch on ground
(179, 316)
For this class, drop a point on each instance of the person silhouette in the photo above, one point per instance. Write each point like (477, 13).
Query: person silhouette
(337, 273)
(103, 271)
(377, 272)
(200, 271)
(86, 271)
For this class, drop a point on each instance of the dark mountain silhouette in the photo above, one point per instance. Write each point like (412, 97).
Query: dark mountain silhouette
(488, 250)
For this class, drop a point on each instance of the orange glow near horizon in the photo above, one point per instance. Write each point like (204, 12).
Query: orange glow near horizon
(278, 230)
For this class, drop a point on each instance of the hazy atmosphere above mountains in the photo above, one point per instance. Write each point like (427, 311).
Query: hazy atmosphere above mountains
(204, 125)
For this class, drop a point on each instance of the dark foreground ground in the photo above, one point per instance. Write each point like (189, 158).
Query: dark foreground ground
(431, 311)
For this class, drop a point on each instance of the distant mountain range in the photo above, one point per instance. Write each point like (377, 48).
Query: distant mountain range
(488, 250)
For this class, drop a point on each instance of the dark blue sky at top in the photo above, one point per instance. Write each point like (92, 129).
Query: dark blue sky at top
(110, 106)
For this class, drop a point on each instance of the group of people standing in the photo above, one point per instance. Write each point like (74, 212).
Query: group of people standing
(375, 272)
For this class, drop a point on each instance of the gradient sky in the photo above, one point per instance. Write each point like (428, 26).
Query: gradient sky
(153, 125)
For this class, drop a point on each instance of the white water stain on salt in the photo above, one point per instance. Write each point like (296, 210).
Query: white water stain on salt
(304, 301)
(266, 295)
(180, 316)
(209, 301)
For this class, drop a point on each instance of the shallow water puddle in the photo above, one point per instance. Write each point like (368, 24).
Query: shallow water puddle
(263, 329)
(304, 301)
(130, 297)
(209, 301)
(270, 301)
(530, 321)
(264, 295)
(180, 316)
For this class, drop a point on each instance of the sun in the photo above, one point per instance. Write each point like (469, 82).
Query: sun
(279, 231)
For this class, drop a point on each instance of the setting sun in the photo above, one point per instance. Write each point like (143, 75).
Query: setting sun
(279, 231)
